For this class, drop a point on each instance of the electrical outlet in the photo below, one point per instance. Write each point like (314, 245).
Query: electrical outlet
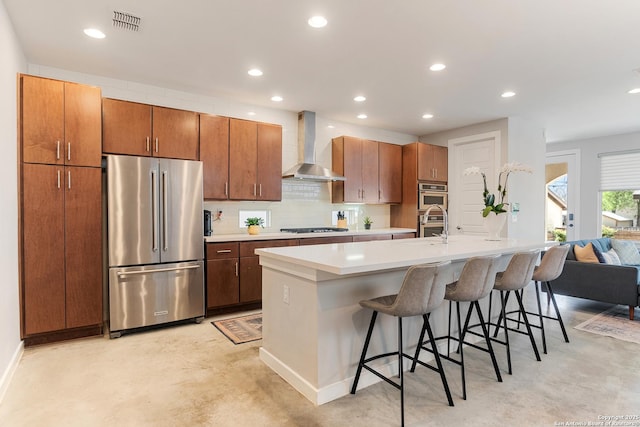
(285, 294)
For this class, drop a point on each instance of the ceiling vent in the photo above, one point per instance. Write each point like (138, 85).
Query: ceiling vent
(126, 21)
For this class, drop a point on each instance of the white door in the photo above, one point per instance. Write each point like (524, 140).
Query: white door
(465, 192)
(562, 198)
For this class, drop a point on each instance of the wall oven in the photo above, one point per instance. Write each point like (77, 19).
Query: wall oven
(431, 194)
(434, 225)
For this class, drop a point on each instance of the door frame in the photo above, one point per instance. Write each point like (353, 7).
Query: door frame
(572, 158)
(455, 175)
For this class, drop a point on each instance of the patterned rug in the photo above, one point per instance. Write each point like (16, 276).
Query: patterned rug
(241, 329)
(613, 323)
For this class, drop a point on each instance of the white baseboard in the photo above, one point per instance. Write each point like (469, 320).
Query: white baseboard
(7, 375)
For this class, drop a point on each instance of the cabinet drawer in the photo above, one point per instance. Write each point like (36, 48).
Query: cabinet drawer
(371, 237)
(326, 240)
(404, 236)
(248, 248)
(222, 250)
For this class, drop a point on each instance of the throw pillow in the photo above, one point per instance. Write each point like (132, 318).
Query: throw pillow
(611, 257)
(586, 253)
(627, 251)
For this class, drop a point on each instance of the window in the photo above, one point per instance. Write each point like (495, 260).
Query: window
(620, 190)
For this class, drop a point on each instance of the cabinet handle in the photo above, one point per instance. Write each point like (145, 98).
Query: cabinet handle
(236, 269)
(226, 188)
(148, 149)
(224, 251)
(156, 144)
(69, 151)
(58, 179)
(260, 190)
(362, 194)
(69, 179)
(359, 190)
(57, 150)
(254, 189)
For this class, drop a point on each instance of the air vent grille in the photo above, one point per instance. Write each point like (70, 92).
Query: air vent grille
(126, 21)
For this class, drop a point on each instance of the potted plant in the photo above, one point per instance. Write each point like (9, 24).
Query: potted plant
(253, 224)
(367, 223)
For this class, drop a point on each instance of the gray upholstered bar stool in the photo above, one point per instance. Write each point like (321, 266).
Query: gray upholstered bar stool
(518, 274)
(475, 282)
(550, 268)
(422, 291)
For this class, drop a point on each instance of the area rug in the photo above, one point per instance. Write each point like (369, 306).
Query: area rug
(613, 323)
(241, 329)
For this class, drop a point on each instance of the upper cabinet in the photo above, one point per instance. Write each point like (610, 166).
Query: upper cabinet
(372, 171)
(61, 122)
(255, 160)
(147, 130)
(214, 153)
(433, 163)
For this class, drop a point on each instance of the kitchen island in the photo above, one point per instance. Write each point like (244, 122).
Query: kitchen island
(313, 327)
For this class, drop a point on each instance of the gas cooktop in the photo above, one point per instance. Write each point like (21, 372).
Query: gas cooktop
(313, 230)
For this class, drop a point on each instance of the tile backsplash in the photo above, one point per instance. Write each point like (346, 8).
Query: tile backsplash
(304, 204)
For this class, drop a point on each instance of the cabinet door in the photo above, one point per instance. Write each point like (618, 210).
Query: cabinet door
(83, 247)
(214, 154)
(425, 163)
(269, 162)
(243, 159)
(353, 169)
(43, 248)
(175, 133)
(369, 171)
(126, 128)
(250, 279)
(83, 125)
(222, 282)
(440, 163)
(42, 117)
(390, 173)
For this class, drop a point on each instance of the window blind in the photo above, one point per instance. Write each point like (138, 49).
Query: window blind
(620, 171)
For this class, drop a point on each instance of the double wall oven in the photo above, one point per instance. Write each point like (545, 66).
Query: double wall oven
(431, 194)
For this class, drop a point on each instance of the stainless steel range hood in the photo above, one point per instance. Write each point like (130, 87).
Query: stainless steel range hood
(308, 169)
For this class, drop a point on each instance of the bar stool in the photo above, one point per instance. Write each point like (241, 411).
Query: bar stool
(518, 274)
(475, 282)
(550, 268)
(422, 291)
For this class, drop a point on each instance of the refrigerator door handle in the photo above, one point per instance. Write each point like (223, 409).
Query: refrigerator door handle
(165, 207)
(157, 270)
(154, 213)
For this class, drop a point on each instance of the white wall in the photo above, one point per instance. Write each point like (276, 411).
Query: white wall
(589, 179)
(13, 62)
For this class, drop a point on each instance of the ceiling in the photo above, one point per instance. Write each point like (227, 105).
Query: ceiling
(570, 62)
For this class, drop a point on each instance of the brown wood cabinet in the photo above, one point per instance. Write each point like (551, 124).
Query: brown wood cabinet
(255, 160)
(326, 240)
(214, 154)
(371, 237)
(61, 248)
(61, 122)
(390, 173)
(433, 163)
(372, 171)
(223, 279)
(147, 130)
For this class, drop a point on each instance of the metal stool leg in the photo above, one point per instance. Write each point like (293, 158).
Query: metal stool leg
(460, 337)
(400, 371)
(529, 331)
(540, 317)
(555, 305)
(364, 352)
(485, 331)
(436, 355)
(503, 301)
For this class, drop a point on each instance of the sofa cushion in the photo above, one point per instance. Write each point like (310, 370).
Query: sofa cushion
(627, 251)
(611, 257)
(603, 244)
(585, 253)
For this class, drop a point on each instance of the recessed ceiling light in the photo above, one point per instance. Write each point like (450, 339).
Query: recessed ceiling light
(360, 98)
(331, 126)
(437, 67)
(508, 94)
(251, 113)
(635, 90)
(317, 21)
(276, 98)
(95, 33)
(362, 116)
(254, 72)
(427, 116)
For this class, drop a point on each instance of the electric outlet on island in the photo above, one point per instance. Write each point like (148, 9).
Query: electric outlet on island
(285, 294)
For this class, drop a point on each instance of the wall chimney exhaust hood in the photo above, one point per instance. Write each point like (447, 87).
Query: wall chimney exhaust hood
(309, 170)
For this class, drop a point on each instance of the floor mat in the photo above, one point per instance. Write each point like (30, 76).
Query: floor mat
(241, 329)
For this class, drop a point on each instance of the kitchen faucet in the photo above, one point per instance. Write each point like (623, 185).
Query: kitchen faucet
(445, 231)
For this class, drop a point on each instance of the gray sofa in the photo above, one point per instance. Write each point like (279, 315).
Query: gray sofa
(616, 284)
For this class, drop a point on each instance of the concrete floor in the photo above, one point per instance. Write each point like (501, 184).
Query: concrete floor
(191, 375)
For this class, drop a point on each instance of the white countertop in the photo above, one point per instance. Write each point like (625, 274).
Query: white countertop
(362, 257)
(241, 237)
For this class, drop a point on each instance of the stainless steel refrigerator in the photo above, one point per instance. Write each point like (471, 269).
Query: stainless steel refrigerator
(155, 239)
